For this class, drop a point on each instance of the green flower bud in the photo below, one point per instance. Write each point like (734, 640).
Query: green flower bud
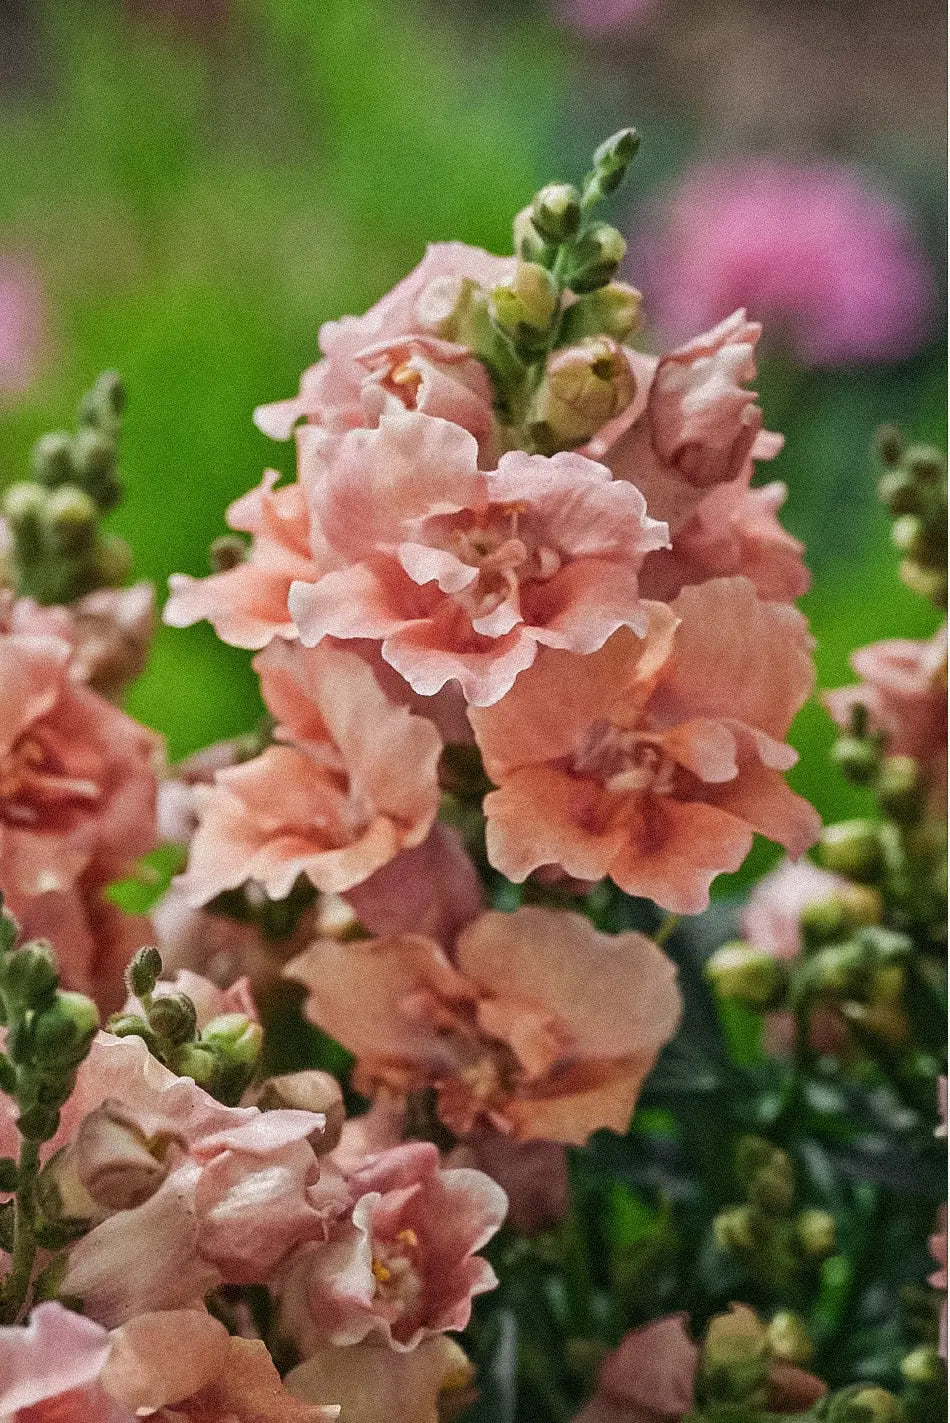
(104, 404)
(929, 583)
(863, 1404)
(95, 457)
(556, 212)
(235, 1038)
(529, 245)
(143, 972)
(737, 1231)
(30, 975)
(902, 789)
(736, 1358)
(227, 552)
(614, 310)
(524, 307)
(38, 1123)
(748, 975)
(584, 387)
(595, 257)
(815, 1231)
(24, 507)
(172, 1017)
(889, 446)
(853, 848)
(790, 1339)
(52, 459)
(857, 758)
(614, 156)
(901, 492)
(923, 1367)
(912, 537)
(840, 971)
(199, 1063)
(926, 464)
(130, 1025)
(773, 1188)
(63, 1031)
(70, 518)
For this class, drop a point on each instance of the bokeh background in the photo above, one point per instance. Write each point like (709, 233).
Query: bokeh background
(189, 187)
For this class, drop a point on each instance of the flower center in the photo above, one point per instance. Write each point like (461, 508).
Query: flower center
(396, 1272)
(625, 761)
(34, 787)
(506, 554)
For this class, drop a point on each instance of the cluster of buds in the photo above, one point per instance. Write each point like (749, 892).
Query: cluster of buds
(58, 550)
(48, 1034)
(779, 1244)
(914, 488)
(222, 1057)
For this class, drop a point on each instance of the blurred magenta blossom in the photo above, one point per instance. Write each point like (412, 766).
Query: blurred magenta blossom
(21, 322)
(604, 16)
(815, 250)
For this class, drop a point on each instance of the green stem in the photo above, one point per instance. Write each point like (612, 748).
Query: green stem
(16, 1287)
(667, 929)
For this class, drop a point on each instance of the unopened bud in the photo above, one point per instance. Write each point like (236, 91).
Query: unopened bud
(113, 561)
(556, 212)
(853, 848)
(584, 387)
(923, 1367)
(524, 307)
(94, 454)
(63, 1031)
(614, 156)
(173, 1018)
(614, 310)
(131, 1025)
(773, 1189)
(52, 459)
(104, 404)
(308, 1091)
(595, 257)
(926, 464)
(736, 1357)
(856, 758)
(70, 517)
(862, 904)
(790, 1339)
(864, 1404)
(748, 975)
(901, 492)
(30, 975)
(737, 1231)
(144, 972)
(227, 552)
(24, 507)
(235, 1037)
(929, 583)
(901, 788)
(815, 1230)
(443, 304)
(199, 1063)
(529, 245)
(883, 1019)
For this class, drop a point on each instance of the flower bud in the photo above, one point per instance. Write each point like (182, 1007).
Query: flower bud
(737, 1231)
(197, 1062)
(556, 212)
(584, 387)
(524, 307)
(735, 1360)
(63, 1031)
(70, 517)
(901, 788)
(926, 464)
(235, 1038)
(853, 848)
(94, 455)
(443, 304)
(889, 446)
(773, 1188)
(863, 1404)
(595, 257)
(104, 404)
(884, 1019)
(24, 507)
(227, 552)
(130, 1025)
(901, 492)
(529, 245)
(857, 758)
(144, 972)
(52, 459)
(790, 1339)
(308, 1091)
(30, 975)
(840, 971)
(173, 1018)
(748, 975)
(923, 1367)
(113, 561)
(929, 583)
(112, 1159)
(815, 1230)
(614, 310)
(614, 156)
(38, 1123)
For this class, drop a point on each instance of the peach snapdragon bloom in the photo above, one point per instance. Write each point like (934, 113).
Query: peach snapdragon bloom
(654, 761)
(178, 1366)
(533, 1024)
(400, 1265)
(77, 806)
(462, 573)
(351, 781)
(904, 689)
(110, 631)
(700, 426)
(397, 352)
(247, 604)
(371, 1381)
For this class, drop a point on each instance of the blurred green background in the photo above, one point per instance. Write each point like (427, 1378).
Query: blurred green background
(197, 184)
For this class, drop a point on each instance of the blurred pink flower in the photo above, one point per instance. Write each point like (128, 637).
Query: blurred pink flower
(817, 250)
(904, 689)
(603, 17)
(21, 322)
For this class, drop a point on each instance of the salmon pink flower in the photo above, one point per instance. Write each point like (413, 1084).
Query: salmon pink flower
(247, 604)
(700, 426)
(462, 573)
(654, 761)
(401, 1265)
(371, 1381)
(396, 350)
(351, 782)
(110, 631)
(904, 690)
(535, 1024)
(433, 890)
(649, 1377)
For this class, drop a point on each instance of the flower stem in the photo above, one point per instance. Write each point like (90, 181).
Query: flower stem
(16, 1287)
